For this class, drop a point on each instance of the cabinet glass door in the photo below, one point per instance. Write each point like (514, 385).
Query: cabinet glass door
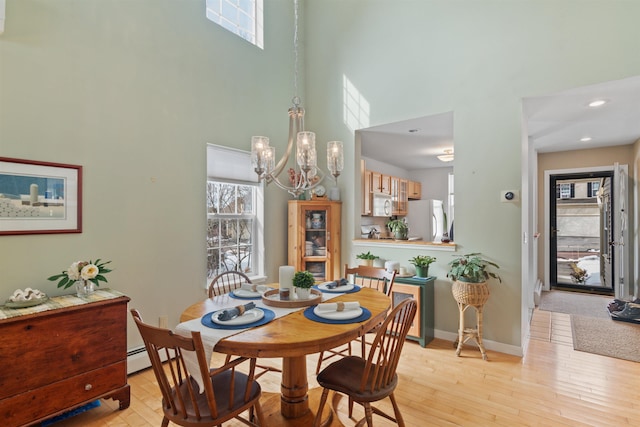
(316, 241)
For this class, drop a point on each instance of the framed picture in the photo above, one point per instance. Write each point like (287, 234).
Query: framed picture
(39, 197)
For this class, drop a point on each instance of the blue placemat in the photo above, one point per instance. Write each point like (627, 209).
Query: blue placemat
(355, 288)
(269, 315)
(309, 314)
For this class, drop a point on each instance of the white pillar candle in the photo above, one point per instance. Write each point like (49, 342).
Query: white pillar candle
(286, 278)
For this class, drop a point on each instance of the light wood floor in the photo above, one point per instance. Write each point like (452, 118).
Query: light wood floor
(553, 385)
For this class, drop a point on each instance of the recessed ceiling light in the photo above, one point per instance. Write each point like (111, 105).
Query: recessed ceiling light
(585, 139)
(597, 103)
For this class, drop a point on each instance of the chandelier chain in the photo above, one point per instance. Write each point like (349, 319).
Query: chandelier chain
(296, 98)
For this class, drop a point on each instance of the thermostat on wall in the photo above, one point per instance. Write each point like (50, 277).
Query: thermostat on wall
(509, 196)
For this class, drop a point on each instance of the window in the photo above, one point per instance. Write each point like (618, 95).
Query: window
(592, 188)
(241, 17)
(230, 227)
(565, 191)
(235, 211)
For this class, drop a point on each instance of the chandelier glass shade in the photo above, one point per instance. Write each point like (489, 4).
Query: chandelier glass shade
(304, 174)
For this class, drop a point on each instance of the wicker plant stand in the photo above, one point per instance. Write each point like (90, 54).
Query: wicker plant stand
(470, 295)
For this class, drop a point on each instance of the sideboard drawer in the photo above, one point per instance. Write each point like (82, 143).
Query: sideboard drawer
(84, 388)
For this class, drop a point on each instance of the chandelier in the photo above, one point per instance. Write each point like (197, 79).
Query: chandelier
(305, 175)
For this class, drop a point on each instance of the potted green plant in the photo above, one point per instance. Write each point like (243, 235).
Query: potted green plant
(366, 258)
(303, 281)
(422, 262)
(470, 274)
(399, 228)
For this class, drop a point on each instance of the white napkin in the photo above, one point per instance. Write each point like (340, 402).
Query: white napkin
(249, 287)
(338, 306)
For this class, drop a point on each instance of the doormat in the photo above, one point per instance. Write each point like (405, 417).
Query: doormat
(606, 337)
(575, 303)
(71, 413)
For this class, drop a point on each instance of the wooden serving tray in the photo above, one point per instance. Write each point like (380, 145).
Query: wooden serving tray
(272, 298)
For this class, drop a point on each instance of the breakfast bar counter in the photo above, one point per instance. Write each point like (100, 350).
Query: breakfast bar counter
(405, 244)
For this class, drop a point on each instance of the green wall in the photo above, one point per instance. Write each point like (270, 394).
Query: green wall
(412, 58)
(132, 90)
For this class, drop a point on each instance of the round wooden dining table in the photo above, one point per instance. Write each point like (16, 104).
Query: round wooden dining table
(293, 337)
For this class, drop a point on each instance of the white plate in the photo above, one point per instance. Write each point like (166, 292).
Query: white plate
(346, 288)
(27, 303)
(338, 315)
(250, 294)
(249, 316)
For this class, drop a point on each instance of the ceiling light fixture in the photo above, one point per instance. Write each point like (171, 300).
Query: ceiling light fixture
(597, 103)
(447, 156)
(305, 174)
(585, 139)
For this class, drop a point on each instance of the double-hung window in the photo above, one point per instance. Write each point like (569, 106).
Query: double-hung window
(235, 213)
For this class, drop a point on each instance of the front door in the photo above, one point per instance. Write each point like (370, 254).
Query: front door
(581, 258)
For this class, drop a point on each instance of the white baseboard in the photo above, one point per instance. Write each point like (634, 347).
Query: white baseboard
(488, 344)
(537, 292)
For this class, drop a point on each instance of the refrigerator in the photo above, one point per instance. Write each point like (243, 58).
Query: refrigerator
(426, 219)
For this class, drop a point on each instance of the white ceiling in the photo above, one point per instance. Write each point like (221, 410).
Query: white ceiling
(554, 122)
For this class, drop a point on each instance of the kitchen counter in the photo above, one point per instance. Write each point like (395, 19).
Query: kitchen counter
(405, 244)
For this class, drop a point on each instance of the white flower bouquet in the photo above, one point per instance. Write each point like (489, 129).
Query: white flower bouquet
(82, 270)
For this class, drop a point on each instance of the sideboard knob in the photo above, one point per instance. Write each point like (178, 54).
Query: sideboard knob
(88, 387)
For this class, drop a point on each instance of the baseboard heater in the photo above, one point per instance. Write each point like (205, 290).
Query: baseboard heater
(138, 359)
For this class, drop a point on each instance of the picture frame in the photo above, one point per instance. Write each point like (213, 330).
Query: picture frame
(39, 197)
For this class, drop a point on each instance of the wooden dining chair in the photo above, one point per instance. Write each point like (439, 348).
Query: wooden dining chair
(226, 282)
(363, 276)
(226, 395)
(372, 378)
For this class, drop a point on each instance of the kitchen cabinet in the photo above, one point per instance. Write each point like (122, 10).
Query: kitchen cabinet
(380, 183)
(386, 184)
(366, 190)
(414, 190)
(314, 238)
(63, 358)
(399, 196)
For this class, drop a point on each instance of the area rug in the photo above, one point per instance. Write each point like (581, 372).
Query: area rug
(70, 414)
(606, 337)
(575, 303)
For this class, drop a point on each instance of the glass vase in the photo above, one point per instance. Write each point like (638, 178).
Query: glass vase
(84, 288)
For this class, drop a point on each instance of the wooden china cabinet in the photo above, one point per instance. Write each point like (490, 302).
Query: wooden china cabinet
(314, 238)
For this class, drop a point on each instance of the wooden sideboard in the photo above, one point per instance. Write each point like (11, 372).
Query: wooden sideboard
(60, 359)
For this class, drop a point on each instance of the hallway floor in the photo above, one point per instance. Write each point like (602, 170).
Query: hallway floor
(551, 327)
